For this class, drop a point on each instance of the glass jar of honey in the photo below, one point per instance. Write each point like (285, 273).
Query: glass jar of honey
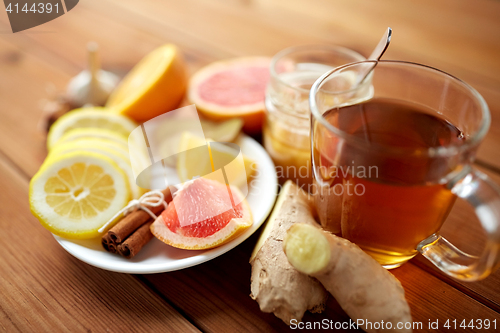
(286, 128)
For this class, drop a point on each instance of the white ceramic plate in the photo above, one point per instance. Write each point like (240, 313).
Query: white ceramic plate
(157, 257)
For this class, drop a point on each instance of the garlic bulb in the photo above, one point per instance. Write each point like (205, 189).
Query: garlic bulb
(93, 85)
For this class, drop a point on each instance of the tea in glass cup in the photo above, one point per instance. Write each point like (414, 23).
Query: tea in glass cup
(391, 157)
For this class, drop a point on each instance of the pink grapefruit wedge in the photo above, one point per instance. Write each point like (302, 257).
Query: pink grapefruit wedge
(203, 204)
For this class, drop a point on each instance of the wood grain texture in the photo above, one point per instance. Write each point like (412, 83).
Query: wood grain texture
(44, 289)
(432, 299)
(22, 86)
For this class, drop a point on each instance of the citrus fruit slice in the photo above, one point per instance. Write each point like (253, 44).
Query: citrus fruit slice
(193, 162)
(197, 162)
(154, 86)
(225, 131)
(93, 133)
(232, 88)
(104, 148)
(77, 193)
(89, 117)
(199, 200)
(89, 142)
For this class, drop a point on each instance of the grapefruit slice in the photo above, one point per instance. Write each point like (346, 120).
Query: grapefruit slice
(203, 205)
(232, 88)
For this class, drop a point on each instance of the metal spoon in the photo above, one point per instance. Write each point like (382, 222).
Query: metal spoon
(367, 69)
(376, 55)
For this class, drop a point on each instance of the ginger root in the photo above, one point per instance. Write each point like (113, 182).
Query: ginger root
(275, 284)
(361, 286)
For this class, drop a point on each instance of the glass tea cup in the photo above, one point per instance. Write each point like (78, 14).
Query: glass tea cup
(391, 157)
(286, 128)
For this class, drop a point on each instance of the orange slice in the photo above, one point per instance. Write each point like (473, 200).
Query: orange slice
(154, 86)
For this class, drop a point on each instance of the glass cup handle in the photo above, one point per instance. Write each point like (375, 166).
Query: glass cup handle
(484, 196)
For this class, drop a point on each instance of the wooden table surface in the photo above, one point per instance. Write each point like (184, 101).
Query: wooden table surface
(43, 288)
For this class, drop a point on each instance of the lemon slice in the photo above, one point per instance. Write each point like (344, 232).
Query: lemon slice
(93, 133)
(89, 117)
(121, 148)
(77, 193)
(194, 157)
(84, 143)
(154, 86)
(195, 161)
(102, 148)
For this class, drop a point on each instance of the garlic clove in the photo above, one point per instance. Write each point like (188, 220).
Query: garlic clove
(92, 86)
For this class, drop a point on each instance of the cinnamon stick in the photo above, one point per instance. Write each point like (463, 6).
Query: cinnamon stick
(132, 232)
(112, 247)
(134, 220)
(124, 228)
(106, 241)
(134, 243)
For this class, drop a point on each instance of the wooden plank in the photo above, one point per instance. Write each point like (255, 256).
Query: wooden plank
(43, 288)
(432, 299)
(423, 32)
(22, 86)
(279, 24)
(103, 22)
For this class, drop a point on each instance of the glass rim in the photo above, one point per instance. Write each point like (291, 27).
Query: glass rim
(308, 47)
(448, 150)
